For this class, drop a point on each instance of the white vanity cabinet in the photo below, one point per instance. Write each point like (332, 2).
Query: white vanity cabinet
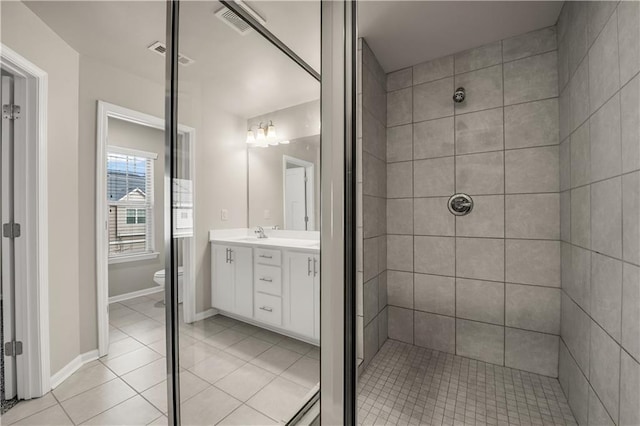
(302, 293)
(268, 286)
(232, 279)
(274, 284)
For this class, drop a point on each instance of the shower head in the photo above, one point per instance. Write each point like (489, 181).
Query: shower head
(459, 95)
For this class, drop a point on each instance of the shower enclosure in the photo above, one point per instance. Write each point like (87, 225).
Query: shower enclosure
(498, 270)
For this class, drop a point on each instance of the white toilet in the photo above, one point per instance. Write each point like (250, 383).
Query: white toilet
(158, 278)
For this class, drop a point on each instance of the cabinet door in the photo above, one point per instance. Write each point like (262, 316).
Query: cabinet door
(221, 278)
(242, 261)
(301, 291)
(316, 298)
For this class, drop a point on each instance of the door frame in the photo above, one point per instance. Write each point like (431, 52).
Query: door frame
(338, 213)
(309, 201)
(106, 110)
(31, 211)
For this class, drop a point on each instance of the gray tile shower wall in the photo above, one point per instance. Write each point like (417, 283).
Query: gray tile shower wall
(599, 86)
(372, 196)
(487, 285)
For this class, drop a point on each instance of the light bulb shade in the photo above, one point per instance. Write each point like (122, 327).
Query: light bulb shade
(271, 131)
(251, 138)
(260, 136)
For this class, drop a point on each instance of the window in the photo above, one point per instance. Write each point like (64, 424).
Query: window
(130, 200)
(136, 216)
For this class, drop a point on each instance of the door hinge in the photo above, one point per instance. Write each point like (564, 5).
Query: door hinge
(306, 218)
(13, 348)
(11, 111)
(11, 230)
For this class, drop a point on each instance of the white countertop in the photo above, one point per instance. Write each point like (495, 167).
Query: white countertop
(278, 239)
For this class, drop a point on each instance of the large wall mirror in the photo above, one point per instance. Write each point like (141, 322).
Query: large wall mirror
(284, 168)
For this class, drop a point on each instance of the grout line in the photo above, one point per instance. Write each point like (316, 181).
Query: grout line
(476, 111)
(61, 406)
(413, 217)
(455, 222)
(591, 319)
(504, 246)
(622, 212)
(478, 321)
(591, 250)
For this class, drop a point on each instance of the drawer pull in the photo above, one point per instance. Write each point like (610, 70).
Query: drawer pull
(266, 308)
(268, 280)
(264, 256)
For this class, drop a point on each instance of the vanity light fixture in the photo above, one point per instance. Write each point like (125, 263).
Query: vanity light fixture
(271, 130)
(263, 135)
(251, 138)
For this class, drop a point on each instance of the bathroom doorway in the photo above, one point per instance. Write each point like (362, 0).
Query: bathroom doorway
(24, 331)
(298, 178)
(130, 249)
(8, 373)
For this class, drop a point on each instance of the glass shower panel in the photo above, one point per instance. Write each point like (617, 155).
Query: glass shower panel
(250, 191)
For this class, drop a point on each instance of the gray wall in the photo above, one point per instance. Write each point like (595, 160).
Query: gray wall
(372, 192)
(599, 60)
(220, 155)
(45, 49)
(128, 277)
(75, 84)
(485, 286)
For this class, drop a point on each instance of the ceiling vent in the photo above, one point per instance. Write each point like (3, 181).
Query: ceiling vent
(230, 18)
(161, 49)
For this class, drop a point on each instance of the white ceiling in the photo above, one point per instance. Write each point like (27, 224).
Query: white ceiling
(405, 33)
(251, 77)
(248, 75)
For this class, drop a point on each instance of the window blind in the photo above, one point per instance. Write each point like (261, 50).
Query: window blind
(130, 200)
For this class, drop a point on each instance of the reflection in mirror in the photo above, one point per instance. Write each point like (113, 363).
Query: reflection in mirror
(255, 332)
(284, 185)
(284, 169)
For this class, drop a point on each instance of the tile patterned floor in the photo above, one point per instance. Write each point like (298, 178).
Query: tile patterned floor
(408, 385)
(231, 374)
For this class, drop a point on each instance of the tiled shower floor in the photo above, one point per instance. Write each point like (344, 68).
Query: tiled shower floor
(408, 385)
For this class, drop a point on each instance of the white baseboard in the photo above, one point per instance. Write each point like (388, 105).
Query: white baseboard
(134, 294)
(72, 367)
(205, 314)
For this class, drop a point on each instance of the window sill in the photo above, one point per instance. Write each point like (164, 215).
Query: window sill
(133, 257)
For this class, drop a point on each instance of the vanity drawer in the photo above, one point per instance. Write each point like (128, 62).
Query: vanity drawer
(268, 279)
(268, 257)
(268, 308)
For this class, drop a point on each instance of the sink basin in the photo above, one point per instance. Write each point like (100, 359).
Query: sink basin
(284, 242)
(247, 239)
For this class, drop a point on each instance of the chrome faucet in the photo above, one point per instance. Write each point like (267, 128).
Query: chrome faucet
(260, 232)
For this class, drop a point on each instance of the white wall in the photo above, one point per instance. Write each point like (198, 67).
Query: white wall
(294, 122)
(25, 33)
(221, 180)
